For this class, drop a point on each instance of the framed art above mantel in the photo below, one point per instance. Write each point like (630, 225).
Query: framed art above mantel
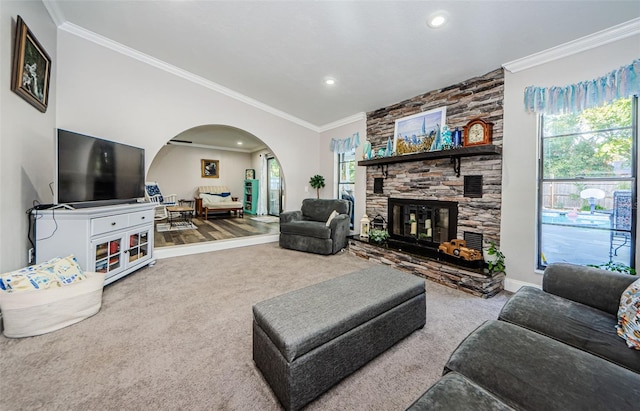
(417, 132)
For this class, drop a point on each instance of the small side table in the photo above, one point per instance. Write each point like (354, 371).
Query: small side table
(179, 215)
(186, 202)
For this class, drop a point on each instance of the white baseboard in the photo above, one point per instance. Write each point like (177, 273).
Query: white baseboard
(514, 285)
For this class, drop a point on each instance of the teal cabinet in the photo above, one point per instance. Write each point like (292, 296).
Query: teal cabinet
(251, 196)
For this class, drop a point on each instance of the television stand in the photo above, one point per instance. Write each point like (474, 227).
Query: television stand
(115, 240)
(62, 206)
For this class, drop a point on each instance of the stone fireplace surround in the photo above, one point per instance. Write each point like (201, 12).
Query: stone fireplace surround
(436, 180)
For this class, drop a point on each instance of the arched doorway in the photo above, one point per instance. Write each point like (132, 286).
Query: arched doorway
(238, 155)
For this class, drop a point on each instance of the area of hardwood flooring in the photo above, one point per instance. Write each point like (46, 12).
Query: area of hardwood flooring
(215, 228)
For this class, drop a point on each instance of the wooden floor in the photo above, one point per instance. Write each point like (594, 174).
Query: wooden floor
(215, 228)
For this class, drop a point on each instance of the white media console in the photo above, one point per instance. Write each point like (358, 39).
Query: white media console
(115, 240)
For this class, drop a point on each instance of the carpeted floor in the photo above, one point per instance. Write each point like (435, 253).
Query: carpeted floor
(177, 336)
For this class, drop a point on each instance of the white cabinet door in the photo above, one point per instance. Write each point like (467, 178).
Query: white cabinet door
(138, 245)
(108, 255)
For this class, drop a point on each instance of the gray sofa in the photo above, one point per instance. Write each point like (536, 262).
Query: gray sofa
(550, 349)
(306, 229)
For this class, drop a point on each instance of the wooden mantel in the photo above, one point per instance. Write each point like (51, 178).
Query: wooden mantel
(454, 154)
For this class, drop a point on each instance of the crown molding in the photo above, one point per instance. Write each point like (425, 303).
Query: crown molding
(343, 122)
(600, 38)
(54, 12)
(169, 68)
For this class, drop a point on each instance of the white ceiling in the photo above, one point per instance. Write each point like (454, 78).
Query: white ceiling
(380, 52)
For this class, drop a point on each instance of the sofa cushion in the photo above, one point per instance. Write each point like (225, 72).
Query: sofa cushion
(578, 325)
(306, 228)
(214, 199)
(320, 209)
(301, 320)
(530, 371)
(598, 288)
(454, 392)
(629, 316)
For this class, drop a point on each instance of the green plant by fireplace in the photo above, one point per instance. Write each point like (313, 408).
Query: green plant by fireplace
(378, 236)
(495, 264)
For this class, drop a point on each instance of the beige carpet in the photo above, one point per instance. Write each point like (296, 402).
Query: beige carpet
(177, 336)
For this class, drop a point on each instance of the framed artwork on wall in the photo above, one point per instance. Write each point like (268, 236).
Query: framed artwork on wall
(31, 68)
(210, 168)
(416, 133)
(249, 174)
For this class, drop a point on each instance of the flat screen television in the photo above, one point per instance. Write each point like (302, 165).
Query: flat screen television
(95, 172)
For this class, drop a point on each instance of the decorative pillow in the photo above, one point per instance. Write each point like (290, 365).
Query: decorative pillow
(629, 315)
(154, 190)
(67, 270)
(220, 194)
(212, 199)
(53, 273)
(333, 215)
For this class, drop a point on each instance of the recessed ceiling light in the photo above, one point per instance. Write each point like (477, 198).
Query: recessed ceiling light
(239, 143)
(329, 81)
(437, 19)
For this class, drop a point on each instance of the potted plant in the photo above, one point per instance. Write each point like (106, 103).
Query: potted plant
(317, 182)
(378, 236)
(494, 259)
(614, 266)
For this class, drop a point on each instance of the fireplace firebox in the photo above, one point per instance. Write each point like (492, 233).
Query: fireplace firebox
(424, 222)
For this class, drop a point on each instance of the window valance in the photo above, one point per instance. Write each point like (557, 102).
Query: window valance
(621, 83)
(346, 144)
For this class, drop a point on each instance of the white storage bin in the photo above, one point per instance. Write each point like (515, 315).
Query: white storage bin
(28, 313)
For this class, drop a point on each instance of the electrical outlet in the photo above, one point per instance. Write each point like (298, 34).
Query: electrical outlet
(30, 256)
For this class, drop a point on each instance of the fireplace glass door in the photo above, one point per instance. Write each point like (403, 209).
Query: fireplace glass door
(422, 221)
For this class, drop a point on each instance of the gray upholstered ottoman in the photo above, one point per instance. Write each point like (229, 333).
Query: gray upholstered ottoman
(307, 340)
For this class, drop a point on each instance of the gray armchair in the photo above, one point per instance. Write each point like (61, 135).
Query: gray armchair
(307, 230)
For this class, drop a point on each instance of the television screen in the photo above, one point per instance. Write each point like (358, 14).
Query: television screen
(91, 169)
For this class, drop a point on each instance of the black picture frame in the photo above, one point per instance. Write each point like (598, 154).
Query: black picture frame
(31, 68)
(249, 174)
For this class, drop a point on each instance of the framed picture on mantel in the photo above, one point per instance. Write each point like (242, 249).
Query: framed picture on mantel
(416, 133)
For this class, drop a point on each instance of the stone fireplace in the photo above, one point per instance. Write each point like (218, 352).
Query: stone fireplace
(432, 197)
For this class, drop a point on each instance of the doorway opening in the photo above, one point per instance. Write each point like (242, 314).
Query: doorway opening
(177, 170)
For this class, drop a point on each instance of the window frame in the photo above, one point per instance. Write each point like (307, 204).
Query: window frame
(340, 183)
(340, 161)
(632, 179)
